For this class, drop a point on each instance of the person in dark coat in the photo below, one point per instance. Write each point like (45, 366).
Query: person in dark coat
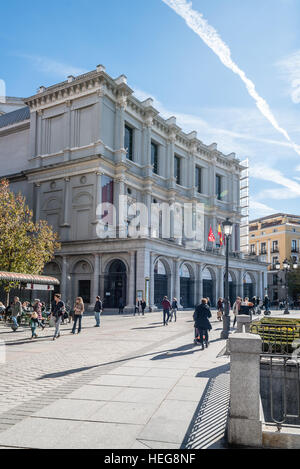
(202, 315)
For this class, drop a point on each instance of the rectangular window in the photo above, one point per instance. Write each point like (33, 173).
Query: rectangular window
(263, 249)
(294, 245)
(198, 182)
(275, 246)
(154, 157)
(252, 247)
(177, 174)
(219, 187)
(128, 143)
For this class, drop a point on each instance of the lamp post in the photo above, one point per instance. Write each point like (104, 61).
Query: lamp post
(227, 226)
(286, 267)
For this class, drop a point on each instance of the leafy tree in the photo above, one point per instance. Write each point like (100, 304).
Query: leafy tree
(25, 246)
(294, 283)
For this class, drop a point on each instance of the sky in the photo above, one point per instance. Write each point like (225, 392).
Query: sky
(232, 74)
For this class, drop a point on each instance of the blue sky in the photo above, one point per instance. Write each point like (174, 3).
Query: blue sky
(43, 42)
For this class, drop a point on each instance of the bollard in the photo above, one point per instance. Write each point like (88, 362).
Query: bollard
(245, 424)
(243, 323)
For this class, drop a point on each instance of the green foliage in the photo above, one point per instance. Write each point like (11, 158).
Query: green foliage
(25, 246)
(294, 283)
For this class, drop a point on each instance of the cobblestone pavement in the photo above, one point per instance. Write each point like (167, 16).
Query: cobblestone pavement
(42, 372)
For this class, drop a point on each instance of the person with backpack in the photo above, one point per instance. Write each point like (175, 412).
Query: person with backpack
(57, 312)
(98, 310)
(166, 310)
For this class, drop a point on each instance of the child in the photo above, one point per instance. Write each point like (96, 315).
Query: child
(34, 320)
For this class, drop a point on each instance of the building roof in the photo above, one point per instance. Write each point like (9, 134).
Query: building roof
(28, 278)
(275, 215)
(14, 117)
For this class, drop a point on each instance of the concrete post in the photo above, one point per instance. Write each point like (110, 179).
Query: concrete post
(245, 425)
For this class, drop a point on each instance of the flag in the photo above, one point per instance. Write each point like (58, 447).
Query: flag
(220, 235)
(211, 236)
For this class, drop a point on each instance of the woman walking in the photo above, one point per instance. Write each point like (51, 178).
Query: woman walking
(236, 309)
(202, 315)
(220, 309)
(174, 309)
(78, 313)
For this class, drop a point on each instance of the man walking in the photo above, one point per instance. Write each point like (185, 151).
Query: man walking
(16, 311)
(166, 310)
(58, 310)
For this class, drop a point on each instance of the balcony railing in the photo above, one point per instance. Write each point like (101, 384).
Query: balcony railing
(295, 250)
(275, 250)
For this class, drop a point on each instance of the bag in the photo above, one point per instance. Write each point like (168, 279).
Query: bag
(52, 321)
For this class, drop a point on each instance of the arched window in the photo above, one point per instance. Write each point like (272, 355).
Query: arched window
(117, 267)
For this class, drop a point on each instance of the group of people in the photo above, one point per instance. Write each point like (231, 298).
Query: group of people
(38, 315)
(58, 311)
(169, 310)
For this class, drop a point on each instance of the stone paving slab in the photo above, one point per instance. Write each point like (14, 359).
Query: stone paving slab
(60, 434)
(148, 389)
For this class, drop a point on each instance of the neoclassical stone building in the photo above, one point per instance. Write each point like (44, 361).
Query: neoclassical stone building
(89, 139)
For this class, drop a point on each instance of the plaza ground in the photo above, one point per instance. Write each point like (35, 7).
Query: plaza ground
(133, 383)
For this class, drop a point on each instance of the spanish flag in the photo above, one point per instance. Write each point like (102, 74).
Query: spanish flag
(220, 235)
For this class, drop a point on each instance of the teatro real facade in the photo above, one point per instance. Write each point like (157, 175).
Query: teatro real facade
(88, 140)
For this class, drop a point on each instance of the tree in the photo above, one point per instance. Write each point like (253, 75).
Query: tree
(294, 284)
(25, 246)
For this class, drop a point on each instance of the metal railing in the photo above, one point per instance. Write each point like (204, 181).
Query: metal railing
(277, 338)
(281, 390)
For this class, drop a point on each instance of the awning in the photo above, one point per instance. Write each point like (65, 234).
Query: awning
(28, 278)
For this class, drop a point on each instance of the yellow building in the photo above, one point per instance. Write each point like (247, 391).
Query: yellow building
(275, 238)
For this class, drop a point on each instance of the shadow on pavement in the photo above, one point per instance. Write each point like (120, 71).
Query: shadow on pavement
(208, 425)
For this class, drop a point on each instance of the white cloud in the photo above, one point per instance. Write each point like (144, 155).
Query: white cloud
(52, 67)
(290, 72)
(211, 38)
(259, 209)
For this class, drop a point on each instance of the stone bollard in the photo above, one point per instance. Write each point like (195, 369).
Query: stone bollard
(245, 424)
(243, 322)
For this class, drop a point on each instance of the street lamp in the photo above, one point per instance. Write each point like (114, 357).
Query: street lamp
(227, 226)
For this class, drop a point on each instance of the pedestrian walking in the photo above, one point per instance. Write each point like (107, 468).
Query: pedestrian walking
(16, 312)
(174, 310)
(202, 315)
(121, 306)
(34, 321)
(2, 310)
(236, 309)
(37, 308)
(267, 303)
(220, 307)
(166, 310)
(138, 307)
(143, 305)
(57, 311)
(78, 313)
(98, 310)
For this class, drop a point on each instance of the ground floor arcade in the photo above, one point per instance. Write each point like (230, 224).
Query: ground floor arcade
(122, 271)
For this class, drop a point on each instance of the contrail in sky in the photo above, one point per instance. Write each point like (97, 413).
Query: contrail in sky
(210, 36)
